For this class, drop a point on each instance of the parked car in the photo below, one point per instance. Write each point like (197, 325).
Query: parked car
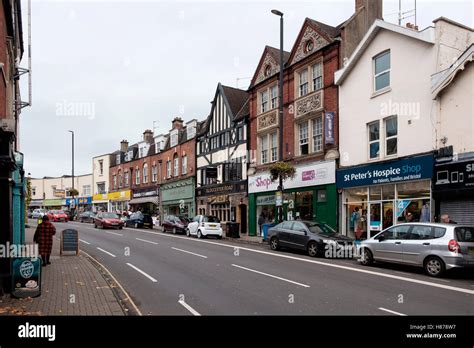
(175, 224)
(433, 246)
(38, 213)
(69, 215)
(314, 237)
(139, 220)
(108, 220)
(203, 226)
(57, 216)
(87, 216)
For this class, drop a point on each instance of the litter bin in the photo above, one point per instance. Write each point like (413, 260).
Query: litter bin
(233, 230)
(265, 228)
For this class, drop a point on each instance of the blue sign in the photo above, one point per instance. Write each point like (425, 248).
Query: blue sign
(408, 169)
(329, 128)
(401, 206)
(79, 201)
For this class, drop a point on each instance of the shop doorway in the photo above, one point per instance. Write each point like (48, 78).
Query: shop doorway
(243, 218)
(381, 216)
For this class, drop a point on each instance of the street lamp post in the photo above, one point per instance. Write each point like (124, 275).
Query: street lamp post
(73, 204)
(280, 114)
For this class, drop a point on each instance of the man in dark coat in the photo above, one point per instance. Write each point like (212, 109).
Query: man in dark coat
(44, 237)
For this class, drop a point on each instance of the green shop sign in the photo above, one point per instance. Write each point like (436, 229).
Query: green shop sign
(183, 189)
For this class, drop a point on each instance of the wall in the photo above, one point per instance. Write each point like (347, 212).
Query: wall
(96, 176)
(452, 40)
(412, 63)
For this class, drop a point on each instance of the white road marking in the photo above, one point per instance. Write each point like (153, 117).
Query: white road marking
(189, 308)
(140, 271)
(393, 312)
(105, 251)
(83, 241)
(117, 234)
(148, 241)
(386, 275)
(116, 282)
(272, 276)
(185, 251)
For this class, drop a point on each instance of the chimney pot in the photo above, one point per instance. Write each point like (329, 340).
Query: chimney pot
(177, 123)
(124, 145)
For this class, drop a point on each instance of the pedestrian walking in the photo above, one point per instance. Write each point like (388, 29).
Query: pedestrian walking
(446, 220)
(44, 237)
(261, 221)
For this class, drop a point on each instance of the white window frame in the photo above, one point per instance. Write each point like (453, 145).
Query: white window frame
(145, 173)
(268, 153)
(264, 101)
(264, 149)
(184, 165)
(154, 173)
(176, 166)
(303, 140)
(114, 179)
(101, 167)
(137, 176)
(303, 85)
(125, 174)
(387, 138)
(317, 138)
(273, 147)
(168, 169)
(382, 72)
(319, 68)
(274, 97)
(369, 142)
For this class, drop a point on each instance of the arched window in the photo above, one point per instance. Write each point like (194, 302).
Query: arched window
(145, 173)
(176, 164)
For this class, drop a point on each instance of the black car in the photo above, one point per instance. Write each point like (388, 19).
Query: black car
(318, 239)
(87, 216)
(139, 220)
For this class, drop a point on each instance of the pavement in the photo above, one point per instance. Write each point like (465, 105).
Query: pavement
(71, 285)
(168, 274)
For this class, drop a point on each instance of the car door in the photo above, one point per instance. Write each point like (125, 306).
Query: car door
(418, 244)
(99, 220)
(284, 233)
(389, 246)
(193, 225)
(166, 223)
(298, 236)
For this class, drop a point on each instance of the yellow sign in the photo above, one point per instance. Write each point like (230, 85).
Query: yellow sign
(100, 197)
(119, 196)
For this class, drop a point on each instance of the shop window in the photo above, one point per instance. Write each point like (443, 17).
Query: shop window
(304, 139)
(304, 205)
(375, 193)
(382, 71)
(391, 132)
(388, 192)
(322, 197)
(374, 139)
(415, 189)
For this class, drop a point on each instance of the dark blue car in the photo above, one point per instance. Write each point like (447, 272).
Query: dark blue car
(139, 220)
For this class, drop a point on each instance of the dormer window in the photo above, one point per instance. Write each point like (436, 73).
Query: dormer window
(174, 138)
(117, 159)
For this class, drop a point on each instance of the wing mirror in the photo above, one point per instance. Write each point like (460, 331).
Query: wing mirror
(381, 238)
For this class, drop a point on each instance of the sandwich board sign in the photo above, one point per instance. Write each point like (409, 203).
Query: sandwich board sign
(26, 280)
(69, 242)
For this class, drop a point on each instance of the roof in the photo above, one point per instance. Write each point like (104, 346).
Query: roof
(452, 22)
(330, 31)
(427, 35)
(235, 97)
(243, 112)
(275, 54)
(441, 80)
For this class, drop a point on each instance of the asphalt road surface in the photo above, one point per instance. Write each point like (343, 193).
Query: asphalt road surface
(169, 274)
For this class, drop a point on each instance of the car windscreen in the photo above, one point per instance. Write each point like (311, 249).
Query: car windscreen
(210, 219)
(110, 216)
(322, 229)
(464, 234)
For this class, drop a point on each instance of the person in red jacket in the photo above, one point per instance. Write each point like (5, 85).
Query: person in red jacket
(44, 237)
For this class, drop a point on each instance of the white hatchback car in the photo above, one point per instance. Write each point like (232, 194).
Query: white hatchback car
(203, 226)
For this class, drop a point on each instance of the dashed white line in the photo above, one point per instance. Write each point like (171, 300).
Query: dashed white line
(148, 241)
(144, 273)
(189, 252)
(189, 308)
(393, 312)
(105, 251)
(117, 234)
(83, 241)
(272, 276)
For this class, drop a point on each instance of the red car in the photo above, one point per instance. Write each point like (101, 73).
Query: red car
(57, 216)
(108, 220)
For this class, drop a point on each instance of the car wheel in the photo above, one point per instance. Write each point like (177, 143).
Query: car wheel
(188, 233)
(434, 266)
(219, 237)
(366, 257)
(274, 243)
(174, 230)
(95, 226)
(135, 225)
(121, 227)
(313, 249)
(199, 234)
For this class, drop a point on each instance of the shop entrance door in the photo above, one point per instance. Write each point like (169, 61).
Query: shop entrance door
(380, 217)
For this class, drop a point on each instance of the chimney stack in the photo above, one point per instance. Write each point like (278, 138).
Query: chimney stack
(124, 145)
(177, 123)
(148, 136)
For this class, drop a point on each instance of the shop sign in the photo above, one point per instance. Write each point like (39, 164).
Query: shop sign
(266, 200)
(26, 277)
(454, 175)
(100, 197)
(401, 206)
(278, 198)
(54, 202)
(226, 188)
(415, 168)
(318, 173)
(119, 196)
(79, 201)
(218, 199)
(145, 193)
(329, 128)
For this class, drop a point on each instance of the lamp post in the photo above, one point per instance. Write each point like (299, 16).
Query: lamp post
(280, 117)
(73, 201)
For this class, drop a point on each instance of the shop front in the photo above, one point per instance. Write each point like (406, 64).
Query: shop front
(310, 195)
(36, 203)
(100, 202)
(178, 198)
(55, 204)
(379, 195)
(82, 204)
(145, 200)
(119, 201)
(228, 202)
(453, 190)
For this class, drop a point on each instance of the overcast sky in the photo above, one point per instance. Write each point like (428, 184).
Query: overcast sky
(109, 69)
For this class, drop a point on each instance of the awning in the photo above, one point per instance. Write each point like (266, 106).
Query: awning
(141, 200)
(101, 201)
(37, 203)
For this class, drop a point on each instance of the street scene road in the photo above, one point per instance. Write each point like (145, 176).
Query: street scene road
(169, 274)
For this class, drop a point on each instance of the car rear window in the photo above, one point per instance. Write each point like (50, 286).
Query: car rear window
(210, 219)
(464, 234)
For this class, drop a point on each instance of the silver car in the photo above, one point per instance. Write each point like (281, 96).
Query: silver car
(435, 247)
(38, 213)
